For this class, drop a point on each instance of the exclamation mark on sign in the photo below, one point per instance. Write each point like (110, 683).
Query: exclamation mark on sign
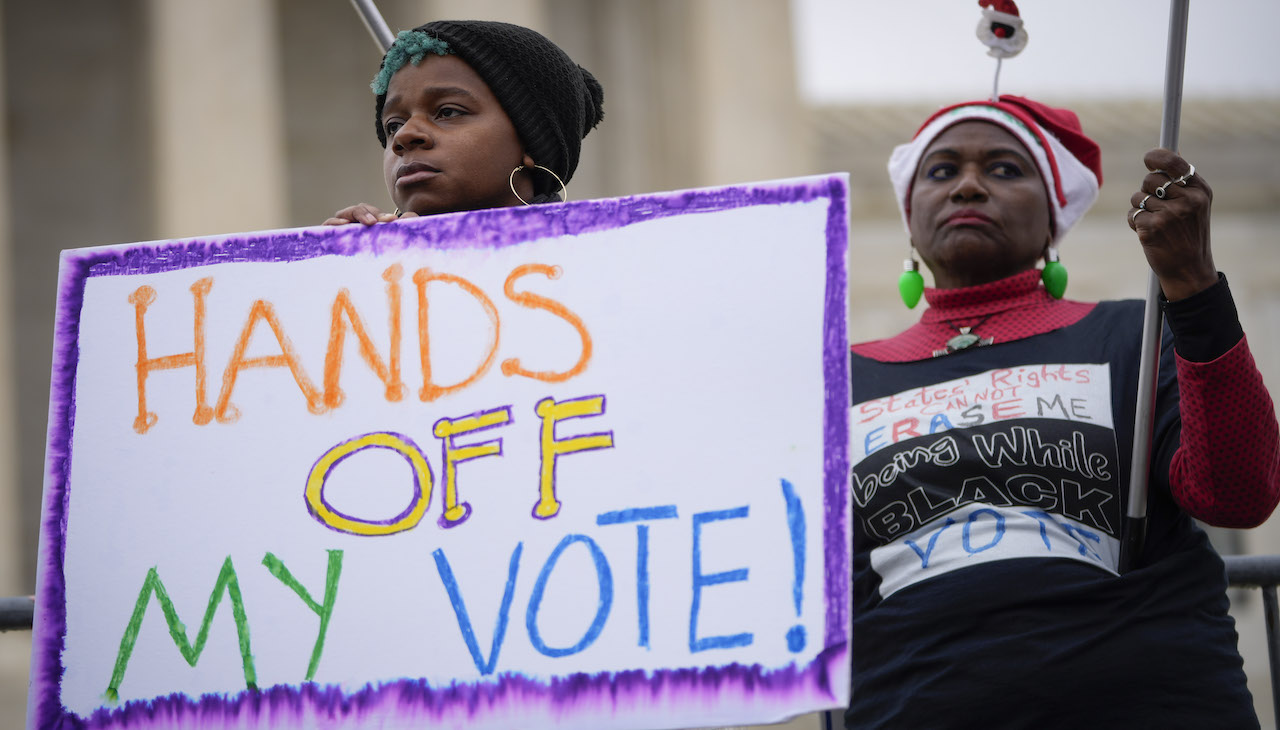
(795, 521)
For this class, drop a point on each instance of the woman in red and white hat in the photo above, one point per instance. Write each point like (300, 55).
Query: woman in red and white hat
(991, 446)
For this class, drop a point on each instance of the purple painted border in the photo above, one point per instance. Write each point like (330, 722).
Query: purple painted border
(495, 228)
(448, 704)
(51, 591)
(836, 536)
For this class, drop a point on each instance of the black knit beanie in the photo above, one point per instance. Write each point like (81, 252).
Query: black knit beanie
(552, 101)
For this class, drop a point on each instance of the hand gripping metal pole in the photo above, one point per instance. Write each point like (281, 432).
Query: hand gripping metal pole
(1135, 528)
(374, 22)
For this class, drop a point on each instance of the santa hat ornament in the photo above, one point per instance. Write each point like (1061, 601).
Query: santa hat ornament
(1001, 28)
(1001, 31)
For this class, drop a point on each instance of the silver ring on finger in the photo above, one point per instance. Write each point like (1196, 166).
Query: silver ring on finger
(1160, 191)
(1143, 204)
(1133, 218)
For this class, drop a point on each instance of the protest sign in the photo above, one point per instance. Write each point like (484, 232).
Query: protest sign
(575, 465)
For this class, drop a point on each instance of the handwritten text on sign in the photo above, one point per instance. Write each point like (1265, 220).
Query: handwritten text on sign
(475, 456)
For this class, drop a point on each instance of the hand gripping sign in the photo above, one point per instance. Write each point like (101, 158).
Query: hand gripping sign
(572, 465)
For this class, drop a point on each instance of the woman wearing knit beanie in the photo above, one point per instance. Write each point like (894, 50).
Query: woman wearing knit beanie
(477, 114)
(992, 444)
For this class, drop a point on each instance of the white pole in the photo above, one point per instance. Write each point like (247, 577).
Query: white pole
(374, 22)
(1135, 529)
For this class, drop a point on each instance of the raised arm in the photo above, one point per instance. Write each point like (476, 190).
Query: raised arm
(1226, 470)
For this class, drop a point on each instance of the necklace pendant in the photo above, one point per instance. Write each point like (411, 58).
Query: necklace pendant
(963, 341)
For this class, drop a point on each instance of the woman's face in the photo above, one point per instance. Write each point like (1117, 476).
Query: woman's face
(979, 208)
(450, 145)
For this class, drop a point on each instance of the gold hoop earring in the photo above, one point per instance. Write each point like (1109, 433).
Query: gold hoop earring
(511, 181)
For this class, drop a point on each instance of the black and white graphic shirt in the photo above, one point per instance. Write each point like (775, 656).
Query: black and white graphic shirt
(1004, 463)
(989, 488)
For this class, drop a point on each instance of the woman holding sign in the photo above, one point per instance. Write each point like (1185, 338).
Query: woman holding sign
(477, 114)
(992, 441)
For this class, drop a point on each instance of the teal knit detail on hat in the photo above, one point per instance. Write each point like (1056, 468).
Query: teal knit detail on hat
(1009, 119)
(411, 46)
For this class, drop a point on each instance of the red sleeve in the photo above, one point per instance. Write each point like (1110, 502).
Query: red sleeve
(1226, 471)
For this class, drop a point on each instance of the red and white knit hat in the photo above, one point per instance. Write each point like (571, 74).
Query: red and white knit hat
(1069, 162)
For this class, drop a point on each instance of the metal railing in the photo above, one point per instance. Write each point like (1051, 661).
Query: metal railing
(1262, 572)
(17, 613)
(1243, 571)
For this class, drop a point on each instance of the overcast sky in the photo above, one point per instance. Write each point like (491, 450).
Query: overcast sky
(861, 50)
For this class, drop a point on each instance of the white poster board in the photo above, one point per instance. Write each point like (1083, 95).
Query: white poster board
(574, 465)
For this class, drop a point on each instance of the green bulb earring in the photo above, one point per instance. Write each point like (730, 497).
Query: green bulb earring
(910, 283)
(1054, 274)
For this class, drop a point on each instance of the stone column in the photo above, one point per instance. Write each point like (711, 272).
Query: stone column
(697, 92)
(79, 155)
(529, 13)
(11, 553)
(752, 122)
(217, 117)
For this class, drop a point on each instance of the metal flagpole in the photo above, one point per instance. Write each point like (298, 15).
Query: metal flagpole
(374, 22)
(1135, 528)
